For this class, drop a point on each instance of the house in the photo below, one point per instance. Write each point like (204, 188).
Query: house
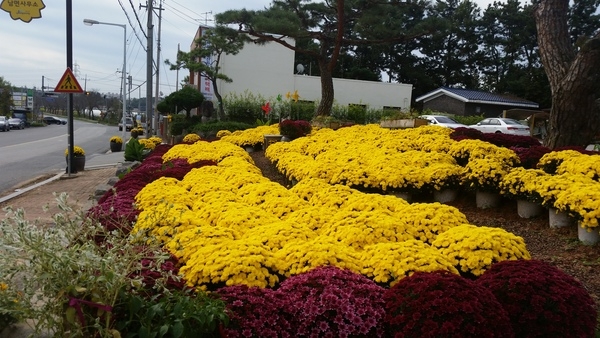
(458, 101)
(268, 70)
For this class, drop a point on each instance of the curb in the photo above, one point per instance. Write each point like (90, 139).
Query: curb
(31, 187)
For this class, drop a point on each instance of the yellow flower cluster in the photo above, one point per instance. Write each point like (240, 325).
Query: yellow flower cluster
(228, 224)
(550, 161)
(586, 165)
(485, 174)
(387, 263)
(521, 183)
(477, 149)
(205, 151)
(222, 133)
(77, 151)
(116, 139)
(191, 138)
(150, 143)
(371, 157)
(250, 137)
(474, 249)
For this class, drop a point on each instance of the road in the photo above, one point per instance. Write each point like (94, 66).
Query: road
(31, 152)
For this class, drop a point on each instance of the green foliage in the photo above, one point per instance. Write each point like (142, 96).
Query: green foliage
(210, 129)
(174, 314)
(245, 107)
(357, 114)
(180, 123)
(468, 120)
(302, 110)
(58, 269)
(134, 150)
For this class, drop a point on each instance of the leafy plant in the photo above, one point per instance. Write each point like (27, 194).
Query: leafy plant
(176, 313)
(68, 282)
(134, 150)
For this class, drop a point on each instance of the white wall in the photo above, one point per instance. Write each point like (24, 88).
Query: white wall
(268, 70)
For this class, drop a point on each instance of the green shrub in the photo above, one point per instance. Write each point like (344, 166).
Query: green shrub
(173, 314)
(209, 130)
(245, 107)
(468, 120)
(357, 113)
(302, 110)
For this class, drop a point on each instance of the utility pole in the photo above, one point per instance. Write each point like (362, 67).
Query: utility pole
(149, 49)
(156, 96)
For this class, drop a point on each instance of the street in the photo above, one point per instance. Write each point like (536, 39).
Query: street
(31, 152)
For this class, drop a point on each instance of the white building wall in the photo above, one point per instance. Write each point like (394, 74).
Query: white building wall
(268, 70)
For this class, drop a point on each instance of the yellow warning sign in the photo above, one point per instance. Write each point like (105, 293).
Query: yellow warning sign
(23, 10)
(68, 83)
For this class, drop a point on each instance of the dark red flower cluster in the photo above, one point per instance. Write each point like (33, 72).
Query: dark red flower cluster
(255, 312)
(442, 304)
(500, 140)
(530, 157)
(294, 129)
(324, 302)
(150, 274)
(541, 300)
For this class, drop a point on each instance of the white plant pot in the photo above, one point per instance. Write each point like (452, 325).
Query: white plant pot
(588, 236)
(445, 195)
(527, 209)
(559, 219)
(486, 200)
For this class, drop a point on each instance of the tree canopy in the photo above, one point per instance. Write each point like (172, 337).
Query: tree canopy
(326, 28)
(186, 99)
(6, 101)
(205, 59)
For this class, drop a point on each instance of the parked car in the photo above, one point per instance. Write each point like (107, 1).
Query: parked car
(443, 121)
(128, 124)
(53, 120)
(4, 126)
(16, 123)
(502, 125)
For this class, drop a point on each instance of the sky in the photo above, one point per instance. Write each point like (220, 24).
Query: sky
(35, 50)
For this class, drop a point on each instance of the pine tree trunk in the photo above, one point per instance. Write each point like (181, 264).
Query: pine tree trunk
(573, 75)
(220, 109)
(327, 93)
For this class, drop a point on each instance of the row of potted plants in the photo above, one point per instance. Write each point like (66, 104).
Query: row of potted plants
(428, 158)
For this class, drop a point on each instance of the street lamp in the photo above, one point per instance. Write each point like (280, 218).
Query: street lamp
(89, 22)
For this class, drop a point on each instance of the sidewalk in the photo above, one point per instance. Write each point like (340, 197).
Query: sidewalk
(80, 187)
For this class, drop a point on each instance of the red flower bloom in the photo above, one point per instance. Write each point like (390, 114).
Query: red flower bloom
(541, 300)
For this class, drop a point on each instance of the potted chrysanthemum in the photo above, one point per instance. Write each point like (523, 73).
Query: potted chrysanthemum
(78, 159)
(116, 144)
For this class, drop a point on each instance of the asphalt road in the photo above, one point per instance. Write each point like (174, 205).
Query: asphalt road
(36, 151)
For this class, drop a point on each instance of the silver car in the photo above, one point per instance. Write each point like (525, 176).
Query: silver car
(4, 126)
(502, 125)
(442, 121)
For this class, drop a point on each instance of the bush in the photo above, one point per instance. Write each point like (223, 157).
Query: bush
(468, 120)
(302, 110)
(441, 304)
(357, 114)
(541, 300)
(245, 108)
(179, 313)
(209, 130)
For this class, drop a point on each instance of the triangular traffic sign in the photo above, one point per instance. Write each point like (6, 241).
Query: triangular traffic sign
(68, 83)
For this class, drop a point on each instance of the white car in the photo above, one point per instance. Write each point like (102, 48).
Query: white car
(443, 121)
(502, 125)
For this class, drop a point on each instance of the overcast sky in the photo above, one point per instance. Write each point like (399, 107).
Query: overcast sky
(30, 51)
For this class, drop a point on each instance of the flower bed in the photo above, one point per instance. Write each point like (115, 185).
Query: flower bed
(228, 226)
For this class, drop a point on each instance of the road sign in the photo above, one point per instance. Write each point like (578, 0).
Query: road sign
(68, 83)
(23, 10)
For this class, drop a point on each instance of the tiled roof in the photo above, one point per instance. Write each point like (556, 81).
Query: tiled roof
(468, 95)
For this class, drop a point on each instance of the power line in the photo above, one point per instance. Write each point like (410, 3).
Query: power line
(137, 18)
(182, 14)
(130, 24)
